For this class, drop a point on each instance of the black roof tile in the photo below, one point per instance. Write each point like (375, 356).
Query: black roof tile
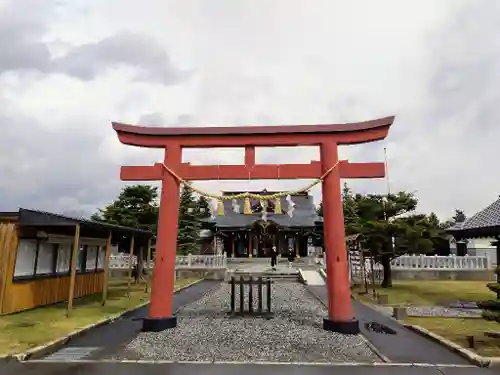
(484, 219)
(31, 217)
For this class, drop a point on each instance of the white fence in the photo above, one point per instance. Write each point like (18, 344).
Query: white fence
(452, 262)
(122, 261)
(201, 261)
(434, 262)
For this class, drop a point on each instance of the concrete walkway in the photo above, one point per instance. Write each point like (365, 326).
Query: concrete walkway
(96, 368)
(405, 346)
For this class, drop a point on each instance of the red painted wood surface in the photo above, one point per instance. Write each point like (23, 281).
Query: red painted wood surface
(162, 290)
(256, 172)
(339, 293)
(270, 136)
(327, 137)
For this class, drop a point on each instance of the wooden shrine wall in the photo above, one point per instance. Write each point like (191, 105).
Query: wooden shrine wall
(19, 295)
(24, 295)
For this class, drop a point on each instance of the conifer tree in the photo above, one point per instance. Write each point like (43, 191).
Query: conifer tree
(189, 225)
(202, 208)
(491, 308)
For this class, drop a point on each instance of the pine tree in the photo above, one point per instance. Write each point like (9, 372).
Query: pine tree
(349, 208)
(319, 209)
(189, 225)
(459, 216)
(202, 207)
(491, 308)
(136, 207)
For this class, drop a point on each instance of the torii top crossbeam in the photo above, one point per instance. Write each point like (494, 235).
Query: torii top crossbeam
(295, 135)
(250, 137)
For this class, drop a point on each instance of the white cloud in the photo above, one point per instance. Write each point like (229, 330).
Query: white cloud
(73, 67)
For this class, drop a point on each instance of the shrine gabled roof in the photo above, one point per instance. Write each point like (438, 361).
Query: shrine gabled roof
(484, 223)
(304, 214)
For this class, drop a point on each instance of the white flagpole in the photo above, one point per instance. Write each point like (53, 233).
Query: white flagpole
(387, 172)
(393, 239)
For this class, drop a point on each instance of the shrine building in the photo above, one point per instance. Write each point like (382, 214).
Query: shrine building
(250, 227)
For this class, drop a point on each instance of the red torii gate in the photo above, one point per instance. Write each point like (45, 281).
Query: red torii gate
(327, 137)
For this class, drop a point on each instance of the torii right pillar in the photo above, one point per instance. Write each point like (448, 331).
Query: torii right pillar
(340, 315)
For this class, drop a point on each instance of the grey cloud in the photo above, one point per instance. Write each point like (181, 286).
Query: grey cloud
(23, 23)
(442, 146)
(152, 119)
(157, 119)
(141, 52)
(58, 171)
(45, 172)
(21, 26)
(187, 120)
(466, 76)
(452, 140)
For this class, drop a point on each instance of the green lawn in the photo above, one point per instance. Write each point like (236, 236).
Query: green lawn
(29, 329)
(457, 329)
(430, 292)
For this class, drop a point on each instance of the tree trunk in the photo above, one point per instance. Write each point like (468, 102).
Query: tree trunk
(386, 266)
(140, 265)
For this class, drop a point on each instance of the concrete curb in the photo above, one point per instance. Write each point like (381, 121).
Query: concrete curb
(469, 355)
(302, 279)
(373, 348)
(266, 363)
(322, 273)
(54, 345)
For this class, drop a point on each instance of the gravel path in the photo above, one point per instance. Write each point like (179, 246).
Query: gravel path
(295, 334)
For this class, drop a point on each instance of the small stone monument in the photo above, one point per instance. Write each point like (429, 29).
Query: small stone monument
(382, 299)
(400, 313)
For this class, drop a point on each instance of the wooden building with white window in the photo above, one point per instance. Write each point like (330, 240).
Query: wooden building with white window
(36, 253)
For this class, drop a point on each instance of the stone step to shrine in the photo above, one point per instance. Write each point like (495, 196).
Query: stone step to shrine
(282, 276)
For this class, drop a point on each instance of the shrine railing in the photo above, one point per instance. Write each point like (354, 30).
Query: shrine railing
(122, 261)
(201, 261)
(450, 262)
(433, 262)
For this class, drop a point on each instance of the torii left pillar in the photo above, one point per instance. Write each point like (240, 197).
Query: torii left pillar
(161, 306)
(327, 137)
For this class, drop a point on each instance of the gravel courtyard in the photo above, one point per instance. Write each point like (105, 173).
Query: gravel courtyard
(295, 334)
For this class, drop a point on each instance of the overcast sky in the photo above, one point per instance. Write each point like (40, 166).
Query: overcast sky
(70, 67)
